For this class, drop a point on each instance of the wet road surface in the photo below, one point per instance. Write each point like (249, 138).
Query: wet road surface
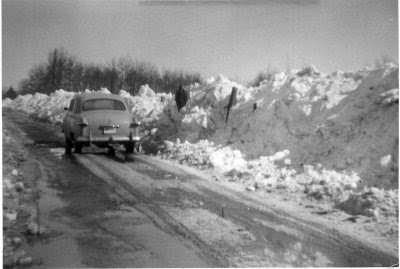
(89, 224)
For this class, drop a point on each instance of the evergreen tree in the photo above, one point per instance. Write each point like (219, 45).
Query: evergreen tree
(11, 93)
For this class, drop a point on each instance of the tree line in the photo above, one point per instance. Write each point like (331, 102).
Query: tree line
(63, 71)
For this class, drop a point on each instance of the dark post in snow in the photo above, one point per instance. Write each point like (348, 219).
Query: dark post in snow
(232, 101)
(181, 97)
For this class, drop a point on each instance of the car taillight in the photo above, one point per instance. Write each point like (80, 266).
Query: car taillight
(135, 124)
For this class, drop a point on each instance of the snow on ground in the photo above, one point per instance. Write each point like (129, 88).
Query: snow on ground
(333, 136)
(19, 208)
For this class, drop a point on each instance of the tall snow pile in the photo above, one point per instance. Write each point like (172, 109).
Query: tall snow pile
(326, 135)
(41, 105)
(345, 121)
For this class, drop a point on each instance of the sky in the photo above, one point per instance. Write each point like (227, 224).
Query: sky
(236, 38)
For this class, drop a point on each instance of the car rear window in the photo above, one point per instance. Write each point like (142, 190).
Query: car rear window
(103, 104)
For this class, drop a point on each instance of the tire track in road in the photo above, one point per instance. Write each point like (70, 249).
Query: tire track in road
(111, 174)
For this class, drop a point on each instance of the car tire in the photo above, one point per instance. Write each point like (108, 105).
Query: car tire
(78, 147)
(68, 146)
(130, 147)
(111, 151)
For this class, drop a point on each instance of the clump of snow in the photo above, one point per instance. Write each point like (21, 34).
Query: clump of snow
(327, 184)
(7, 102)
(145, 90)
(372, 202)
(225, 160)
(103, 90)
(197, 117)
(264, 173)
(148, 106)
(124, 94)
(279, 155)
(192, 154)
(385, 161)
(390, 96)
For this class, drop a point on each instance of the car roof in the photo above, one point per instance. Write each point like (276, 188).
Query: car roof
(88, 96)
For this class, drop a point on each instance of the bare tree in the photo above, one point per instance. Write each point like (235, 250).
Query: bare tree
(64, 71)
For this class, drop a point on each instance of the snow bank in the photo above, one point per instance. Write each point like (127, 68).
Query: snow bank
(148, 106)
(347, 121)
(42, 106)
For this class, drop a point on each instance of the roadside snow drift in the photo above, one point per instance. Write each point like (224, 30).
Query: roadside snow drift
(323, 134)
(345, 121)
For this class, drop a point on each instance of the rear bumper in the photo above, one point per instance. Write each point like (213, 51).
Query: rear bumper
(108, 139)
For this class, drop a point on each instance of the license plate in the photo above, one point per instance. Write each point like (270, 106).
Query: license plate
(109, 131)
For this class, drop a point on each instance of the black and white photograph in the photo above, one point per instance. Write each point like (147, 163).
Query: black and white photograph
(200, 133)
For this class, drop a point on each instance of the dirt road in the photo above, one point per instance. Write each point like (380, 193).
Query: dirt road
(107, 211)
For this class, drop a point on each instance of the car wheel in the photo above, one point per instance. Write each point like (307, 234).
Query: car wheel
(78, 147)
(68, 146)
(130, 147)
(111, 151)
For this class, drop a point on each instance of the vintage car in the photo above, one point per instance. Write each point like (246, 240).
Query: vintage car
(100, 119)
